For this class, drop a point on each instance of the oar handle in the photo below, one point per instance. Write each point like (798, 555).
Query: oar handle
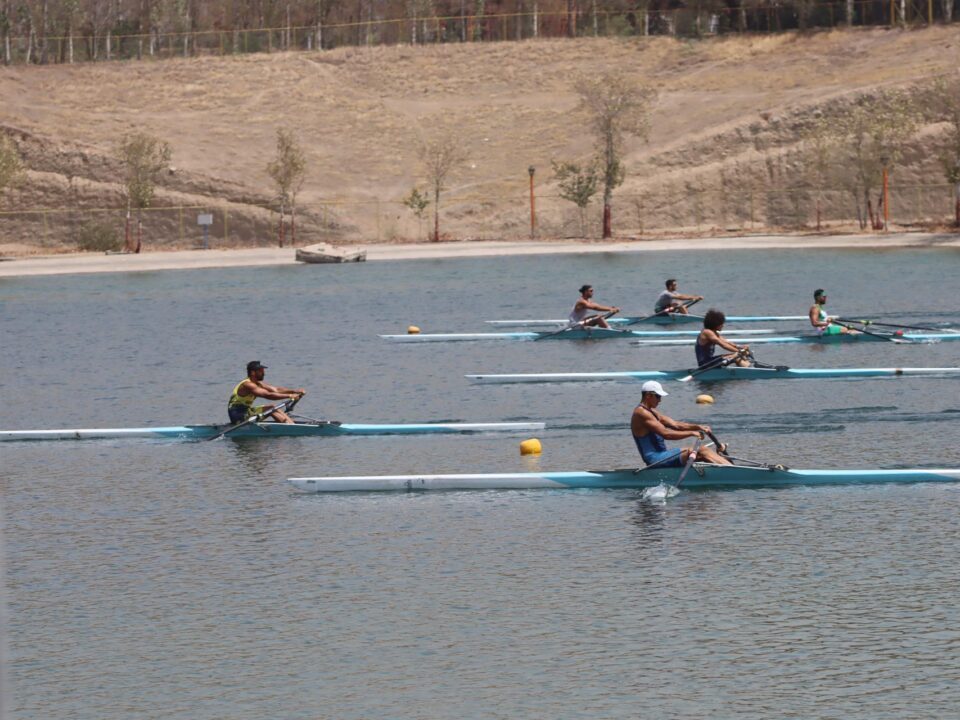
(259, 416)
(721, 447)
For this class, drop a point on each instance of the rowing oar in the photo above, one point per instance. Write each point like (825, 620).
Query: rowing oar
(891, 338)
(895, 325)
(288, 403)
(664, 312)
(721, 447)
(575, 326)
(714, 364)
(691, 458)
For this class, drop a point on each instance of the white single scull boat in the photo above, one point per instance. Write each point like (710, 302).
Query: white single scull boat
(572, 334)
(730, 372)
(668, 319)
(904, 339)
(704, 475)
(267, 430)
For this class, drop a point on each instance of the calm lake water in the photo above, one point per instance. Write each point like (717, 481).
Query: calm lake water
(164, 579)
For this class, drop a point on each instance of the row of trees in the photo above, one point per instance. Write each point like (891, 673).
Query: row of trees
(46, 31)
(854, 146)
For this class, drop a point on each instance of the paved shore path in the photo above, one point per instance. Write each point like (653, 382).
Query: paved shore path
(196, 259)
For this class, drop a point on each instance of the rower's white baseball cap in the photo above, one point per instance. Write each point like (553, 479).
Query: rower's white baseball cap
(654, 387)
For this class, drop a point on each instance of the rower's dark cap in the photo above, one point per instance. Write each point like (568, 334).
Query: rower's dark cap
(584, 288)
(819, 292)
(255, 365)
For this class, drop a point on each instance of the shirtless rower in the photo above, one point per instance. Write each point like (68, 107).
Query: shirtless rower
(710, 338)
(821, 321)
(240, 407)
(580, 315)
(671, 301)
(650, 429)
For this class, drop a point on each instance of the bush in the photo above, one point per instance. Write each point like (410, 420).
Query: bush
(99, 236)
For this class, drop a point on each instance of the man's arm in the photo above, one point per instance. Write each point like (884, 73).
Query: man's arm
(815, 320)
(590, 305)
(723, 342)
(681, 296)
(290, 391)
(665, 426)
(269, 392)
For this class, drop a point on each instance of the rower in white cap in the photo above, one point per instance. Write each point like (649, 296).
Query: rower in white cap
(650, 429)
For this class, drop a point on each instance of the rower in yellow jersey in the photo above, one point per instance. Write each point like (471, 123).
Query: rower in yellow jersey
(240, 407)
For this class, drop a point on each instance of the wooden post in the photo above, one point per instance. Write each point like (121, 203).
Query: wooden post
(533, 205)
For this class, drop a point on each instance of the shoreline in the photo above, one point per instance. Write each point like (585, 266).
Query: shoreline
(87, 263)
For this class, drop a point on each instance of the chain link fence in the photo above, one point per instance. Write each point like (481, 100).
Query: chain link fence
(379, 28)
(490, 217)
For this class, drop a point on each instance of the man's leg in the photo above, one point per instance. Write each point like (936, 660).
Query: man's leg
(710, 455)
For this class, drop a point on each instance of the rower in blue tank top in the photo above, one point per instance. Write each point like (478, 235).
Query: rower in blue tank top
(709, 338)
(651, 430)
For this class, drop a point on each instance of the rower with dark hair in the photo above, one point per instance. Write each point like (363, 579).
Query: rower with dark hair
(580, 315)
(821, 321)
(240, 407)
(710, 338)
(671, 301)
(650, 429)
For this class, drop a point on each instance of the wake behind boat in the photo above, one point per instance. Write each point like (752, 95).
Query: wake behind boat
(704, 475)
(663, 319)
(729, 372)
(267, 430)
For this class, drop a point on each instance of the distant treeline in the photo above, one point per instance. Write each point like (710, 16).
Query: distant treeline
(66, 31)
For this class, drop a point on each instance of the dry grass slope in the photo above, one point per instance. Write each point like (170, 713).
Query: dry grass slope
(729, 108)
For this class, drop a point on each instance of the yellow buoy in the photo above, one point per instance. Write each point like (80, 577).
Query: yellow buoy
(704, 399)
(413, 330)
(531, 447)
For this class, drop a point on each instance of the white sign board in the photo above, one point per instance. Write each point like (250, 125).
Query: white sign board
(205, 219)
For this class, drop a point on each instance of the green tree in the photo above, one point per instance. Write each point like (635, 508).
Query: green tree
(872, 133)
(439, 156)
(288, 170)
(616, 107)
(578, 184)
(417, 202)
(819, 145)
(942, 103)
(11, 166)
(143, 158)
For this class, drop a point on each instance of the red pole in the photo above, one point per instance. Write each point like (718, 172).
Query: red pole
(533, 205)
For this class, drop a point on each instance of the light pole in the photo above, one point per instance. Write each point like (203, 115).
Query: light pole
(533, 205)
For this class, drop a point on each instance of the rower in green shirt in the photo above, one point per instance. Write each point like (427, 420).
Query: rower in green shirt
(821, 321)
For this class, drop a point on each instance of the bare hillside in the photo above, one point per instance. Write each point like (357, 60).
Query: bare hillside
(729, 110)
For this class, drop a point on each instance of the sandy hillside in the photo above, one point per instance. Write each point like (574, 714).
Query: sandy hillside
(725, 105)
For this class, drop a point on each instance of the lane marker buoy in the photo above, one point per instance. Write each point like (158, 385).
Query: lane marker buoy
(531, 447)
